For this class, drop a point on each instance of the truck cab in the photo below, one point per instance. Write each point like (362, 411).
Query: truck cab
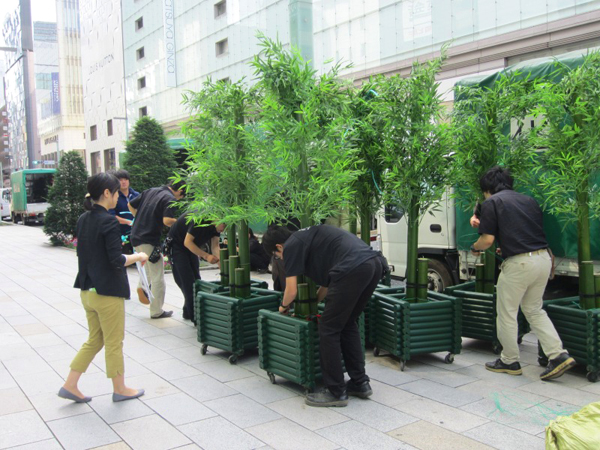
(30, 194)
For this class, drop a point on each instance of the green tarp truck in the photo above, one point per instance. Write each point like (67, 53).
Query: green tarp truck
(30, 194)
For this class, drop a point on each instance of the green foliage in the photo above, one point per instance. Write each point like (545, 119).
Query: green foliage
(481, 122)
(225, 171)
(417, 142)
(571, 138)
(303, 119)
(149, 159)
(66, 198)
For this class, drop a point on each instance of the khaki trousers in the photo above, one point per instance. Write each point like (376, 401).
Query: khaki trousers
(156, 277)
(106, 323)
(522, 283)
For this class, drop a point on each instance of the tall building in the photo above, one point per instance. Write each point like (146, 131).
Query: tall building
(4, 149)
(19, 88)
(63, 129)
(103, 83)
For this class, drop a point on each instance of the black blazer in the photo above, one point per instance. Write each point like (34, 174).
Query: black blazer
(99, 251)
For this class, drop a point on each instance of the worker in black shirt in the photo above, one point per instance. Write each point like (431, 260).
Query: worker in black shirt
(154, 209)
(187, 239)
(347, 271)
(514, 220)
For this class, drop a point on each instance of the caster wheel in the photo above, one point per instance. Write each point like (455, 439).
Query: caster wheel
(592, 377)
(402, 365)
(203, 349)
(375, 351)
(449, 359)
(497, 349)
(543, 361)
(233, 359)
(272, 378)
(520, 340)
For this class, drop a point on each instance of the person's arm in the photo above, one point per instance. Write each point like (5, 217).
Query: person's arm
(192, 247)
(123, 220)
(484, 242)
(291, 290)
(214, 246)
(169, 221)
(321, 293)
(132, 259)
(132, 209)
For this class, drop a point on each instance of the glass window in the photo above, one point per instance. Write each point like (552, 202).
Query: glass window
(109, 128)
(109, 159)
(221, 47)
(220, 8)
(141, 83)
(93, 133)
(139, 53)
(96, 162)
(393, 213)
(139, 23)
(143, 111)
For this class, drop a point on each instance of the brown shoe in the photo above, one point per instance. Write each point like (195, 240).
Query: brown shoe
(143, 296)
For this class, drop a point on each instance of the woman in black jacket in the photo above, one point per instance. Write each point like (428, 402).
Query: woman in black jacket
(104, 287)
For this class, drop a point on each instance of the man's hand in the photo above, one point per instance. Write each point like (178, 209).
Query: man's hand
(212, 259)
(284, 309)
(474, 221)
(142, 257)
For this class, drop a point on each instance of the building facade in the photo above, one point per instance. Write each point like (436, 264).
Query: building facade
(103, 83)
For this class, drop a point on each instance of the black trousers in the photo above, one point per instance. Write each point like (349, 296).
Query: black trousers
(186, 270)
(338, 330)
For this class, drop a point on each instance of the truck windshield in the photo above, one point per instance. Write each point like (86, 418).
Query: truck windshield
(37, 185)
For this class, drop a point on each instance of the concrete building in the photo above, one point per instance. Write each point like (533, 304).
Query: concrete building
(103, 83)
(170, 47)
(4, 149)
(19, 88)
(64, 129)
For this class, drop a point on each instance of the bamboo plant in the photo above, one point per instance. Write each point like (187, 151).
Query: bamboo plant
(416, 154)
(570, 163)
(225, 172)
(481, 123)
(303, 117)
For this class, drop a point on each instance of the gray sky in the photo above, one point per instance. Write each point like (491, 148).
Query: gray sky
(41, 10)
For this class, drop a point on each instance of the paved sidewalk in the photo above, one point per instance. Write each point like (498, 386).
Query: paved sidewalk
(194, 401)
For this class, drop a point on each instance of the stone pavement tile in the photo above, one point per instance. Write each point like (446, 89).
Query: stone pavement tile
(179, 409)
(39, 383)
(22, 428)
(46, 444)
(389, 395)
(356, 436)
(154, 385)
(66, 306)
(260, 390)
(94, 384)
(440, 393)
(437, 360)
(191, 355)
(183, 331)
(442, 415)
(217, 433)
(477, 357)
(195, 343)
(27, 365)
(223, 371)
(51, 407)
(166, 342)
(68, 329)
(388, 374)
(56, 320)
(162, 323)
(312, 418)
(10, 351)
(82, 432)
(146, 353)
(76, 340)
(61, 366)
(554, 389)
(376, 415)
(31, 329)
(9, 309)
(172, 369)
(203, 387)
(195, 447)
(132, 341)
(487, 389)
(284, 434)
(10, 337)
(57, 352)
(504, 438)
(112, 412)
(13, 400)
(449, 378)
(134, 368)
(501, 379)
(424, 435)
(141, 329)
(116, 446)
(242, 411)
(6, 380)
(27, 319)
(43, 340)
(574, 378)
(149, 433)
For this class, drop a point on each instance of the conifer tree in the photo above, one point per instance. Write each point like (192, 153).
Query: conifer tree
(66, 199)
(149, 159)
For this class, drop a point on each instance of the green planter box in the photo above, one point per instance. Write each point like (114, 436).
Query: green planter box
(289, 347)
(230, 324)
(215, 286)
(479, 315)
(579, 331)
(405, 329)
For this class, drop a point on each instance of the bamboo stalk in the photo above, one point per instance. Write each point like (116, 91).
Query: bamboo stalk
(587, 290)
(242, 283)
(244, 245)
(301, 308)
(234, 263)
(223, 264)
(479, 275)
(489, 271)
(312, 295)
(422, 279)
(231, 241)
(597, 286)
(365, 224)
(412, 250)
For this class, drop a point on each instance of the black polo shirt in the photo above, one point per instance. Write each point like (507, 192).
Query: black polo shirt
(203, 232)
(324, 253)
(152, 206)
(515, 220)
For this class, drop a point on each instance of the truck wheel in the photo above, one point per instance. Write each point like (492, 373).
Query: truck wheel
(438, 275)
(16, 218)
